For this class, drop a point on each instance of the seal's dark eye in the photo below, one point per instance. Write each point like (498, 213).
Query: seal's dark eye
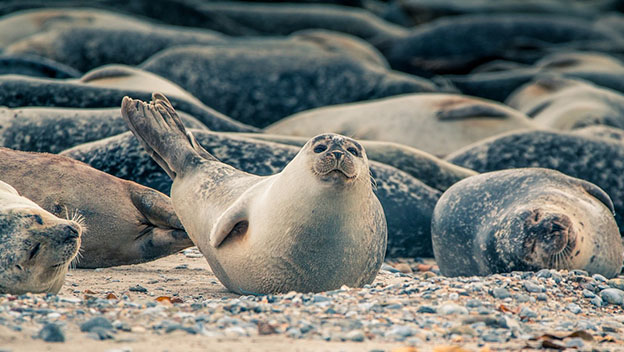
(353, 151)
(320, 148)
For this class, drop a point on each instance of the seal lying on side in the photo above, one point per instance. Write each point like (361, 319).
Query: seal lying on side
(407, 201)
(598, 161)
(435, 123)
(525, 220)
(128, 223)
(36, 247)
(315, 226)
(52, 130)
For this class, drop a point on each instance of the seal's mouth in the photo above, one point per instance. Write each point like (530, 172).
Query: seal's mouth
(336, 174)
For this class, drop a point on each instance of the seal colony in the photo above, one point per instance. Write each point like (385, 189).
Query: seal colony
(314, 226)
(278, 212)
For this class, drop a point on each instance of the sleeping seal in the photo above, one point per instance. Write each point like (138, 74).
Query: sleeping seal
(525, 220)
(36, 247)
(315, 226)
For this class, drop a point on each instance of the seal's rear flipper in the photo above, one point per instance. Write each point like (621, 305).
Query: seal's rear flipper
(161, 132)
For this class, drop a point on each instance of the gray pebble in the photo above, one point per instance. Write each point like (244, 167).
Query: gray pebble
(527, 313)
(426, 309)
(500, 293)
(138, 288)
(473, 303)
(542, 297)
(612, 296)
(588, 294)
(599, 277)
(533, 287)
(452, 308)
(597, 301)
(574, 308)
(51, 333)
(355, 335)
(97, 322)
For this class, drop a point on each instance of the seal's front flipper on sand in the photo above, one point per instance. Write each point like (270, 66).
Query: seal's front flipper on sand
(161, 132)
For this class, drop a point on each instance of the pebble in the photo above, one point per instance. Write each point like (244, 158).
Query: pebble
(616, 283)
(452, 308)
(356, 336)
(574, 308)
(138, 288)
(542, 297)
(97, 322)
(51, 333)
(527, 313)
(500, 293)
(533, 287)
(612, 296)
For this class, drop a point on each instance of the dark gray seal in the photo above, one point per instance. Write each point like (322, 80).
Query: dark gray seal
(525, 220)
(408, 202)
(458, 44)
(598, 68)
(127, 223)
(53, 130)
(229, 79)
(22, 91)
(85, 47)
(36, 247)
(597, 161)
(314, 226)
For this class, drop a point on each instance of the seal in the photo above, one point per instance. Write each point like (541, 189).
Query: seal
(85, 47)
(612, 134)
(227, 78)
(458, 44)
(565, 104)
(525, 220)
(21, 91)
(128, 223)
(53, 130)
(432, 122)
(407, 200)
(35, 66)
(36, 247)
(315, 226)
(588, 158)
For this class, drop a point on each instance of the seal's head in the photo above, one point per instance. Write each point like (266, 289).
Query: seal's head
(36, 247)
(336, 159)
(549, 238)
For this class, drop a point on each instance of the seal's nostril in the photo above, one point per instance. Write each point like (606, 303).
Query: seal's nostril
(337, 154)
(72, 232)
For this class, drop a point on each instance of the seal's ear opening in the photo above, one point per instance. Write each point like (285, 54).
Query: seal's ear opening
(599, 194)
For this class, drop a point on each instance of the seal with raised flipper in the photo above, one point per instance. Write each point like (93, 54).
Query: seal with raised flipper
(128, 223)
(36, 247)
(315, 226)
(525, 220)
